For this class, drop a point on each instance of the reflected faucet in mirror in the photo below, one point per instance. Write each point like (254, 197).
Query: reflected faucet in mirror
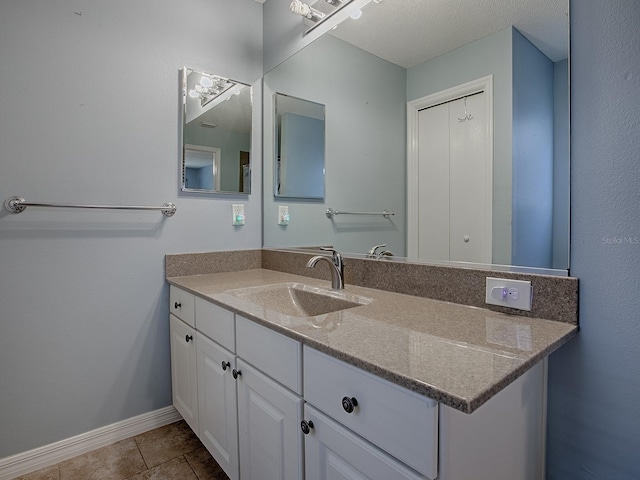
(373, 252)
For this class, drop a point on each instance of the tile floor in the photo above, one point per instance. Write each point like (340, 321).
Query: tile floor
(166, 453)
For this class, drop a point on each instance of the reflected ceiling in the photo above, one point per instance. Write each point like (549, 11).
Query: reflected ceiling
(410, 32)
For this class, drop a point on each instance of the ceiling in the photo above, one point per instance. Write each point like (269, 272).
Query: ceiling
(410, 32)
(232, 115)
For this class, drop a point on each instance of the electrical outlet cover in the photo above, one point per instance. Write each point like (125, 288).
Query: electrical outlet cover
(238, 214)
(509, 293)
(283, 215)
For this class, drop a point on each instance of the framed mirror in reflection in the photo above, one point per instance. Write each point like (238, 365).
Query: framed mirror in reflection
(392, 96)
(299, 148)
(216, 134)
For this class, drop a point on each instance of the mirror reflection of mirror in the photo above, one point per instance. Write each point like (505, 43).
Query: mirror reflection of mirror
(299, 143)
(216, 134)
(353, 72)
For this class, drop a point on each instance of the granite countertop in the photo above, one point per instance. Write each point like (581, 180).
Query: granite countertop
(458, 355)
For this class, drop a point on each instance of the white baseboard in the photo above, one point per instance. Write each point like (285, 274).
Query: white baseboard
(25, 462)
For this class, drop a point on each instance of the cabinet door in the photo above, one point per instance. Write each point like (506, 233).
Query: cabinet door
(217, 404)
(269, 418)
(334, 453)
(184, 386)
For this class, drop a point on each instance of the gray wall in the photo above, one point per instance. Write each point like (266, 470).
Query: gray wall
(594, 381)
(89, 95)
(365, 148)
(560, 164)
(532, 143)
(490, 55)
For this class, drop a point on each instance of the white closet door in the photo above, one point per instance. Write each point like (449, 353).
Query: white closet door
(433, 177)
(454, 195)
(467, 182)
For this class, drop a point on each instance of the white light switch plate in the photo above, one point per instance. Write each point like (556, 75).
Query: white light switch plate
(509, 293)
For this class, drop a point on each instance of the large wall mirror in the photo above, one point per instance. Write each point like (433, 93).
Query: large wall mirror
(216, 134)
(408, 75)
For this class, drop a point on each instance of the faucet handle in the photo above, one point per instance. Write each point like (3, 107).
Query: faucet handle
(337, 258)
(372, 252)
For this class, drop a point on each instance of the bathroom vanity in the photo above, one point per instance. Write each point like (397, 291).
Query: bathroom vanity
(383, 386)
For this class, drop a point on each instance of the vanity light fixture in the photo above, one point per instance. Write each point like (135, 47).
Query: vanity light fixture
(209, 88)
(306, 11)
(316, 11)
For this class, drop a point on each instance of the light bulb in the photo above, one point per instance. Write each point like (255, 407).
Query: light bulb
(206, 82)
(356, 15)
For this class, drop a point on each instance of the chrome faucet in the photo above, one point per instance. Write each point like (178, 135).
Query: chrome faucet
(373, 253)
(337, 267)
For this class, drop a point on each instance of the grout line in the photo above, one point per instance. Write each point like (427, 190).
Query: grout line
(135, 440)
(190, 466)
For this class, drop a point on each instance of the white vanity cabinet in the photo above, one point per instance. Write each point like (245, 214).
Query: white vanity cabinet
(268, 408)
(238, 385)
(332, 452)
(359, 426)
(183, 355)
(397, 421)
(184, 386)
(269, 417)
(269, 403)
(217, 394)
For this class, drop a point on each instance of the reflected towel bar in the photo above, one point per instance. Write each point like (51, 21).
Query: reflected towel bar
(18, 204)
(331, 213)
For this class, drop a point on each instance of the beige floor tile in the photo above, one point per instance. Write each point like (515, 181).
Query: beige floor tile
(166, 443)
(48, 473)
(205, 466)
(113, 462)
(176, 469)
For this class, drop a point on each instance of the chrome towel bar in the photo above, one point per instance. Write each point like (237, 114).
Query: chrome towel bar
(331, 213)
(18, 204)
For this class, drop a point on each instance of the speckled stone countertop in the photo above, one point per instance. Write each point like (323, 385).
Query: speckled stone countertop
(458, 355)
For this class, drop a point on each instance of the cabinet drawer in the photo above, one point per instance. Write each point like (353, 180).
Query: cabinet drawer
(332, 451)
(181, 304)
(395, 419)
(272, 353)
(216, 323)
